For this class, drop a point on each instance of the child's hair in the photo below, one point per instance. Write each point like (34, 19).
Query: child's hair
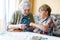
(45, 7)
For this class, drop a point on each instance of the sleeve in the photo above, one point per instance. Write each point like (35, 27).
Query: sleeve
(15, 17)
(51, 25)
(49, 21)
(31, 18)
(12, 19)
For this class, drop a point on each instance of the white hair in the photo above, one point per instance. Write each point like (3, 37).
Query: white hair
(25, 4)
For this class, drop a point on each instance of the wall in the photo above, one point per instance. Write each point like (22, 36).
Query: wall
(32, 7)
(54, 4)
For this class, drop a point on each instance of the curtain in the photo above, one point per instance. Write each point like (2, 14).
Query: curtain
(7, 8)
(2, 15)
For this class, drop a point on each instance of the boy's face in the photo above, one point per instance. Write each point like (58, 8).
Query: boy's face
(26, 11)
(43, 14)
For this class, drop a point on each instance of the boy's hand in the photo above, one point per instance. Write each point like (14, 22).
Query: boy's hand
(32, 24)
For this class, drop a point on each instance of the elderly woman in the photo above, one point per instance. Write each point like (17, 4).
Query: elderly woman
(22, 18)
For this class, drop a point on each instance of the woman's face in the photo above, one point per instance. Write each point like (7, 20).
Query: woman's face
(43, 14)
(26, 11)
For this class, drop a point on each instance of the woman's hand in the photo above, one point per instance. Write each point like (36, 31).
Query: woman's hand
(23, 26)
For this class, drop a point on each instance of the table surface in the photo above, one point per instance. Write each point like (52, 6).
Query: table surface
(23, 36)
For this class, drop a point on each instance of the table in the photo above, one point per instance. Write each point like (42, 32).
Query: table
(23, 36)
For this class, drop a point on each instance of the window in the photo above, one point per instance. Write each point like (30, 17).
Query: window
(11, 6)
(2, 14)
(7, 7)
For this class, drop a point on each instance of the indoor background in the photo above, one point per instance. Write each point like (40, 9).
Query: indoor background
(7, 7)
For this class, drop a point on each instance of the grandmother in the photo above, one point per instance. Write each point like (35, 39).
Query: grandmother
(22, 18)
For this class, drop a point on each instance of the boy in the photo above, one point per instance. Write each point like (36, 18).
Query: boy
(45, 25)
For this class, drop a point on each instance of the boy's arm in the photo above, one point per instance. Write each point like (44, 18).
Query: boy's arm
(40, 26)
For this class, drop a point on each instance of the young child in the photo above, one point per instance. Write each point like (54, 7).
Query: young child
(45, 25)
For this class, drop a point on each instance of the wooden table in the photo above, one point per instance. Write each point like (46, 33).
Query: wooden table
(16, 30)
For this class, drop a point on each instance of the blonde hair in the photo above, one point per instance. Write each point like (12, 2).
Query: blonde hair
(45, 7)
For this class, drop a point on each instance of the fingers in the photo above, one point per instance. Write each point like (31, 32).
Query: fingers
(31, 24)
(23, 26)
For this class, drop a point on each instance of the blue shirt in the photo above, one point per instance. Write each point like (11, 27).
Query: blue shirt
(25, 20)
